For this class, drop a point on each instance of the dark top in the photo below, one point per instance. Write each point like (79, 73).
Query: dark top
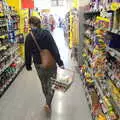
(45, 41)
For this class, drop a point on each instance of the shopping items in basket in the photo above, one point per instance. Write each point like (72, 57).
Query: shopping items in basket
(64, 80)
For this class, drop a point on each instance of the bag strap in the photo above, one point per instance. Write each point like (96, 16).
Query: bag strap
(35, 41)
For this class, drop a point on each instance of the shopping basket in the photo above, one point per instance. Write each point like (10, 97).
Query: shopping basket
(63, 80)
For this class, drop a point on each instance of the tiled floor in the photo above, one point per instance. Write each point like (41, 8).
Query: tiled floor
(24, 99)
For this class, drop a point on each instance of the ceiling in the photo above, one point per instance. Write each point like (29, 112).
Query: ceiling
(45, 4)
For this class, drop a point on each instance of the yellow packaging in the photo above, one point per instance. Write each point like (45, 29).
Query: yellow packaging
(115, 6)
(101, 117)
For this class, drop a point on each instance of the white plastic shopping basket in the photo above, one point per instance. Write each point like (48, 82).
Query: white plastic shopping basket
(63, 80)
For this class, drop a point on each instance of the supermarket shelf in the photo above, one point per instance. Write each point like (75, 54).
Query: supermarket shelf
(99, 88)
(3, 20)
(88, 97)
(86, 63)
(14, 50)
(3, 25)
(90, 70)
(15, 22)
(11, 81)
(113, 52)
(110, 11)
(92, 12)
(90, 48)
(89, 25)
(14, 15)
(9, 31)
(106, 112)
(113, 32)
(100, 83)
(4, 34)
(88, 37)
(11, 53)
(116, 107)
(86, 90)
(115, 81)
(102, 95)
(3, 58)
(96, 12)
(6, 66)
(3, 47)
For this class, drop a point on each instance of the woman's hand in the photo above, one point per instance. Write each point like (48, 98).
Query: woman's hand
(62, 67)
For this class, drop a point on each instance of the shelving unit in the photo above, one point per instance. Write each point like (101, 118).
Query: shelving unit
(101, 61)
(113, 52)
(10, 81)
(92, 12)
(11, 62)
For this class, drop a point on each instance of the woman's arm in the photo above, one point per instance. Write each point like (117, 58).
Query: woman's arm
(53, 48)
(28, 54)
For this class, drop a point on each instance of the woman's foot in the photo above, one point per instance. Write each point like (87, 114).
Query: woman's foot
(47, 108)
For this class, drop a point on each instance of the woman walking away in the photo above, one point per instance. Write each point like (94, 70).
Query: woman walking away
(41, 46)
(52, 22)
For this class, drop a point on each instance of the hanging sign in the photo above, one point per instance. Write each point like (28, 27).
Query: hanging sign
(27, 4)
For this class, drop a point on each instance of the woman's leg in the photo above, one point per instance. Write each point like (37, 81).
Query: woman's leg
(51, 74)
(42, 76)
(45, 78)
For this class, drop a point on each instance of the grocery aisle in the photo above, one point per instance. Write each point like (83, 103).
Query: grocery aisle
(24, 99)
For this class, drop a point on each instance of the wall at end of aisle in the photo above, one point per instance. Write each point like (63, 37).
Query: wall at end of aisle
(60, 11)
(43, 4)
(69, 3)
(83, 2)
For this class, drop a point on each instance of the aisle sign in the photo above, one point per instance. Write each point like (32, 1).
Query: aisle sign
(27, 4)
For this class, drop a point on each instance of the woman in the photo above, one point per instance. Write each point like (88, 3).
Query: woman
(52, 23)
(45, 41)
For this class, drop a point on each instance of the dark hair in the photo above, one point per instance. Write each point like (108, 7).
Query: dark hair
(35, 21)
